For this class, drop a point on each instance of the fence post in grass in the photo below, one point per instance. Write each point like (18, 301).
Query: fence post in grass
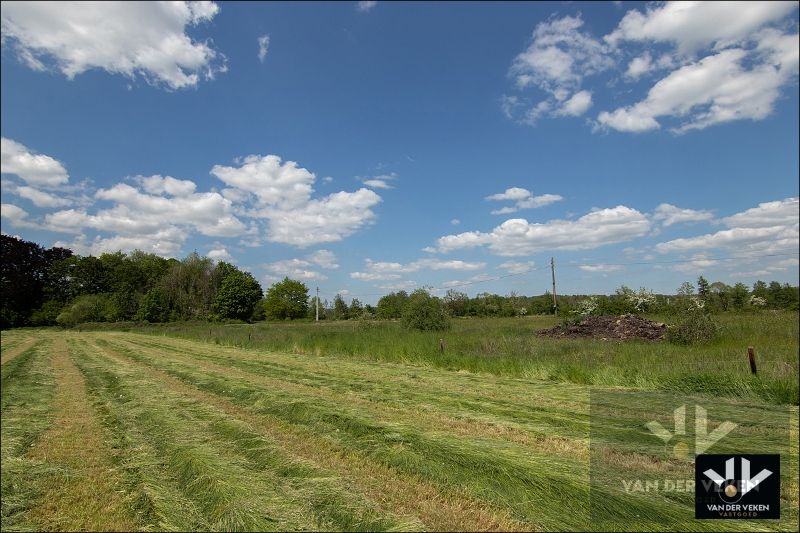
(441, 346)
(751, 354)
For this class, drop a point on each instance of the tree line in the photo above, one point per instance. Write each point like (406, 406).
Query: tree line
(52, 286)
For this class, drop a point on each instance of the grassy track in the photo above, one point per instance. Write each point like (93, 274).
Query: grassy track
(192, 436)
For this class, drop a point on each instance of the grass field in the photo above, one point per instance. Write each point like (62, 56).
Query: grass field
(120, 430)
(509, 347)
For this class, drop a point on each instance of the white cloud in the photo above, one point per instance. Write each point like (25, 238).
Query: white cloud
(16, 216)
(455, 222)
(698, 264)
(293, 268)
(365, 6)
(694, 25)
(377, 184)
(559, 57)
(516, 267)
(601, 268)
(40, 198)
(263, 47)
(770, 227)
(523, 199)
(399, 286)
(303, 268)
(577, 105)
(220, 254)
(329, 219)
(669, 215)
(323, 258)
(374, 276)
(516, 237)
(639, 66)
(713, 90)
(282, 192)
(35, 169)
(513, 193)
(165, 242)
(166, 185)
(272, 182)
(382, 270)
(129, 38)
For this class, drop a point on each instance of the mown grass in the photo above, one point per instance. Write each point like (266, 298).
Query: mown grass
(510, 347)
(214, 437)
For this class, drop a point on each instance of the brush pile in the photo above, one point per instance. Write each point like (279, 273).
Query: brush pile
(609, 327)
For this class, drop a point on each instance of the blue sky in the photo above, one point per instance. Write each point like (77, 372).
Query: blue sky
(365, 147)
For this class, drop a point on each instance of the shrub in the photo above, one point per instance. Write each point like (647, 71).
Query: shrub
(696, 327)
(425, 312)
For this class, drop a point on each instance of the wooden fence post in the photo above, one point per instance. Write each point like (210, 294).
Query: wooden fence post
(441, 345)
(751, 354)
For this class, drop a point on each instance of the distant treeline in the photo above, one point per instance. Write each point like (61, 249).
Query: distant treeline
(49, 286)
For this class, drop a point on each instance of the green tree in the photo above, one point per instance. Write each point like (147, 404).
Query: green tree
(237, 296)
(340, 309)
(739, 295)
(702, 287)
(154, 306)
(356, 308)
(286, 299)
(456, 302)
(392, 305)
(425, 312)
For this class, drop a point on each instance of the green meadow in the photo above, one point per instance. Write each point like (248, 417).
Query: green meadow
(364, 426)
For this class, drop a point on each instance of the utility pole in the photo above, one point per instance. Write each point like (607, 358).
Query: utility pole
(317, 304)
(553, 272)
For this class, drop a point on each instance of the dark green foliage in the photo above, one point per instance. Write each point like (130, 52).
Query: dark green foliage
(286, 299)
(237, 296)
(695, 327)
(425, 312)
(25, 278)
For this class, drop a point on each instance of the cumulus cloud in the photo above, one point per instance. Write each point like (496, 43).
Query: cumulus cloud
(691, 26)
(718, 88)
(698, 264)
(383, 270)
(16, 216)
(166, 242)
(770, 227)
(669, 214)
(517, 267)
(282, 194)
(517, 236)
(303, 268)
(38, 170)
(577, 105)
(263, 47)
(601, 268)
(220, 254)
(40, 198)
(523, 199)
(559, 57)
(129, 38)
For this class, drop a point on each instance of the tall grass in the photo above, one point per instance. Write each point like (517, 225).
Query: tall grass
(510, 347)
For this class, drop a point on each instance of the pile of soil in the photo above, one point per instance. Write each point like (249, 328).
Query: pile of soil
(609, 327)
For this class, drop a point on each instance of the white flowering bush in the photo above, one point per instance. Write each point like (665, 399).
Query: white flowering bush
(588, 306)
(757, 301)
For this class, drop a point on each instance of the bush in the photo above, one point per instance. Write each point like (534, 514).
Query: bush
(425, 312)
(696, 327)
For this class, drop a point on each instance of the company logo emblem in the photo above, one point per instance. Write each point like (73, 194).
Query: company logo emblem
(737, 494)
(703, 440)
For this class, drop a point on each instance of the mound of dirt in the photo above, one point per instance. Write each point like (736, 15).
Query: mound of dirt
(609, 327)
